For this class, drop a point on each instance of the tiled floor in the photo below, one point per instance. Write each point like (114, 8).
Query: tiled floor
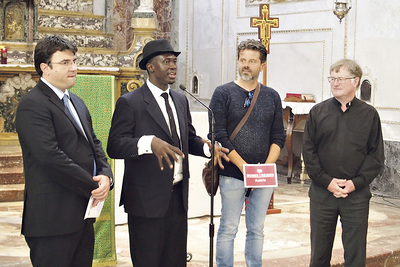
(286, 234)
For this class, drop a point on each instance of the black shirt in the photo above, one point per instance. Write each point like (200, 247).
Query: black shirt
(346, 145)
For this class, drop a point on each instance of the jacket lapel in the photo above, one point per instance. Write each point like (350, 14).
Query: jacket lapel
(154, 110)
(81, 110)
(60, 104)
(52, 96)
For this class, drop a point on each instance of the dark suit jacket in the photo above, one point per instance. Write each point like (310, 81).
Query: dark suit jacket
(146, 189)
(58, 162)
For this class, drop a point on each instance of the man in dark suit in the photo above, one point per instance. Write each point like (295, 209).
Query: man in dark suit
(64, 162)
(152, 127)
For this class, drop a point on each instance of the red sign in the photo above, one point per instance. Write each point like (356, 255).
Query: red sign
(260, 175)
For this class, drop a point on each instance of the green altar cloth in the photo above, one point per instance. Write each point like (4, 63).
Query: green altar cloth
(98, 94)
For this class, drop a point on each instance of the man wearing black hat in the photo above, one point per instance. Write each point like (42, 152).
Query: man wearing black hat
(152, 130)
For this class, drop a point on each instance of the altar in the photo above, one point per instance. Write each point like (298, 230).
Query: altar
(294, 116)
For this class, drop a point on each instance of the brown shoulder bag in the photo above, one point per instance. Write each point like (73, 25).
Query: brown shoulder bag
(207, 169)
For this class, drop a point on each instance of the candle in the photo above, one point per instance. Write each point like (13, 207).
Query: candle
(4, 55)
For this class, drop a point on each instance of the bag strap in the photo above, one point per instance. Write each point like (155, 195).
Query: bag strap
(246, 116)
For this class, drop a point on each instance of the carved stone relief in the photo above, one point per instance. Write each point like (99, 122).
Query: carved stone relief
(11, 92)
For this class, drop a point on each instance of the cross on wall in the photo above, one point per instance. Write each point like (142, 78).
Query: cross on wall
(264, 24)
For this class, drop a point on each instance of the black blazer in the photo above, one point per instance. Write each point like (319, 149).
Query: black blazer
(146, 190)
(58, 162)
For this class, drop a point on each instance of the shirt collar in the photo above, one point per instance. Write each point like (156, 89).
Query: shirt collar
(57, 91)
(348, 105)
(155, 90)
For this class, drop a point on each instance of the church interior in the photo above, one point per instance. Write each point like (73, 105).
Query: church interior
(304, 38)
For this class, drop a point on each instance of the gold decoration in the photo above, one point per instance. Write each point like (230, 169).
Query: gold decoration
(14, 22)
(341, 8)
(133, 84)
(1, 124)
(264, 24)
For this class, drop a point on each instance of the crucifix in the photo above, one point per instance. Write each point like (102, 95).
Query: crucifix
(264, 24)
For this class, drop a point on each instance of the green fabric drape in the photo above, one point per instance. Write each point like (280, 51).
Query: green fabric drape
(98, 94)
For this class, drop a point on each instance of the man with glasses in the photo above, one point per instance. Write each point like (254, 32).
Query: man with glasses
(343, 153)
(259, 141)
(64, 163)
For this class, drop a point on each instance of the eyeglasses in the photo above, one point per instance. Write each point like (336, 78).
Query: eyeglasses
(247, 102)
(66, 63)
(340, 80)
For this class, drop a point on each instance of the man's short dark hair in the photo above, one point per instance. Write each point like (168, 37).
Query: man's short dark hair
(47, 46)
(253, 45)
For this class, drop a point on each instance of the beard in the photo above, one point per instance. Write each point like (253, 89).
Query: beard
(247, 76)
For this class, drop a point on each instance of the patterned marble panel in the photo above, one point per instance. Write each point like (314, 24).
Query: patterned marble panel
(88, 41)
(70, 22)
(125, 61)
(86, 6)
(93, 24)
(86, 59)
(70, 5)
(98, 41)
(19, 57)
(388, 183)
(99, 60)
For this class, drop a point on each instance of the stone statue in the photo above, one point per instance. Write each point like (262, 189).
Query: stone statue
(146, 6)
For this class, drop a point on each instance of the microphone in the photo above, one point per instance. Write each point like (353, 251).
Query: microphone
(211, 226)
(183, 88)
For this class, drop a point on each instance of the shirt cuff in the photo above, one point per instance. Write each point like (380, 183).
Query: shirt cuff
(206, 150)
(144, 144)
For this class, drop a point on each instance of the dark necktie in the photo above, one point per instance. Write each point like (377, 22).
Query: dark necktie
(66, 104)
(65, 100)
(172, 124)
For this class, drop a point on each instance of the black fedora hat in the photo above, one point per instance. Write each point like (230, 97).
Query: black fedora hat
(155, 48)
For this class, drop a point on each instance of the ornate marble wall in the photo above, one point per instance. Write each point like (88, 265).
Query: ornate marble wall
(73, 19)
(71, 22)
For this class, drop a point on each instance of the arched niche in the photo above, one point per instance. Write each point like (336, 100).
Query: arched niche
(195, 85)
(366, 91)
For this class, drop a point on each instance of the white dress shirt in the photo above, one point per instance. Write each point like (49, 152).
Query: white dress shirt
(144, 143)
